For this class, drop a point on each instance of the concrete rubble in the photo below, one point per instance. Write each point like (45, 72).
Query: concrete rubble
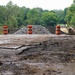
(37, 54)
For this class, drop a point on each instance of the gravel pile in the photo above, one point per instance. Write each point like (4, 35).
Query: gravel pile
(37, 29)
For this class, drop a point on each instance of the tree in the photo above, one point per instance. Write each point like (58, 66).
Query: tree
(22, 16)
(59, 14)
(11, 14)
(33, 17)
(71, 14)
(49, 18)
(2, 15)
(72, 21)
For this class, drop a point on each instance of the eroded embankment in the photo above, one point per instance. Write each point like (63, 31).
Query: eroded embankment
(55, 49)
(46, 55)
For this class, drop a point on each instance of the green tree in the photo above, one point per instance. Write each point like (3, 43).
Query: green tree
(59, 14)
(22, 16)
(11, 14)
(33, 17)
(72, 21)
(49, 18)
(2, 15)
(70, 17)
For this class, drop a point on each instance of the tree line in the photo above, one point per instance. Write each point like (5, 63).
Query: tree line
(16, 17)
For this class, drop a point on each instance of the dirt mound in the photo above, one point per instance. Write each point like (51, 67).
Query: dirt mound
(37, 29)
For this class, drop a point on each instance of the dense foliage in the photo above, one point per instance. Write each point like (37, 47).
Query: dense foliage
(70, 16)
(15, 16)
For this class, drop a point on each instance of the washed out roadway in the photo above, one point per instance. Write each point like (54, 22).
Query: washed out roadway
(37, 54)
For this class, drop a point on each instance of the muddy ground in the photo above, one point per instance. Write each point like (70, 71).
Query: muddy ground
(37, 54)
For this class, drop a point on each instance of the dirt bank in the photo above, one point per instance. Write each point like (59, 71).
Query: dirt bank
(37, 55)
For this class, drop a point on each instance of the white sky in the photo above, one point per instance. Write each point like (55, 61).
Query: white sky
(44, 4)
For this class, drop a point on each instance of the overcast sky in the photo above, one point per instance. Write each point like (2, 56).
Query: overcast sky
(44, 4)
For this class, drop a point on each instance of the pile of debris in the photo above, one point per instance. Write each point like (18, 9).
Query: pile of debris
(37, 29)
